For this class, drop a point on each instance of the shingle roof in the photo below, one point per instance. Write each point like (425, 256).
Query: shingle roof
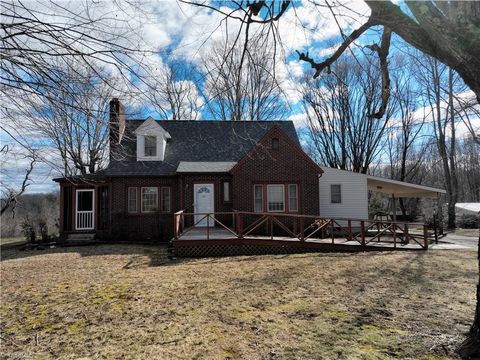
(195, 141)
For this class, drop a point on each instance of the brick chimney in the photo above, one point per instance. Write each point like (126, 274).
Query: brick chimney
(117, 121)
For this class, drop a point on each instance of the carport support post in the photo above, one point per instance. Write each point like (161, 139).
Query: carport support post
(394, 208)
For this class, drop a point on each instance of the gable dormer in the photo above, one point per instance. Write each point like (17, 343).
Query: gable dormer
(151, 141)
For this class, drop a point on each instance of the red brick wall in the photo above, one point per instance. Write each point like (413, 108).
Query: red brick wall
(159, 226)
(287, 164)
(141, 226)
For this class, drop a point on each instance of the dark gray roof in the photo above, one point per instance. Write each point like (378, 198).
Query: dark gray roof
(195, 141)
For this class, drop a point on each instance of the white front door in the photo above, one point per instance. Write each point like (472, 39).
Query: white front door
(203, 203)
(84, 217)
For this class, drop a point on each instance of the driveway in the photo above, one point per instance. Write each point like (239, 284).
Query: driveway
(455, 242)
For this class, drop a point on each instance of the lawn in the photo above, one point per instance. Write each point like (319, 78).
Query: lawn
(132, 302)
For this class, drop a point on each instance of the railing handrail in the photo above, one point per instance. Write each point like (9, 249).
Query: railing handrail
(279, 214)
(326, 223)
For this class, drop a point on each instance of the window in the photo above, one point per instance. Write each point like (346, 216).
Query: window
(276, 198)
(150, 146)
(293, 197)
(165, 199)
(335, 194)
(149, 199)
(258, 198)
(275, 143)
(132, 199)
(226, 191)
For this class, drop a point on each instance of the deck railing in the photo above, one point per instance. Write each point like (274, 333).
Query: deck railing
(304, 228)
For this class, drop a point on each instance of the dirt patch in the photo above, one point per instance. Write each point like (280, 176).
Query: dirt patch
(132, 302)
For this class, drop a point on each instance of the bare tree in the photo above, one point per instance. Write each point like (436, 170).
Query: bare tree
(10, 191)
(438, 83)
(250, 94)
(405, 141)
(338, 107)
(73, 119)
(33, 43)
(174, 91)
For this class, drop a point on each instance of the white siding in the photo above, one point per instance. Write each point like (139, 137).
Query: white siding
(354, 203)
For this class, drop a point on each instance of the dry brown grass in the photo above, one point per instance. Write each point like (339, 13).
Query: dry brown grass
(131, 302)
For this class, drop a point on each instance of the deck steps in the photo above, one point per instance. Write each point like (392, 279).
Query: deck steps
(81, 238)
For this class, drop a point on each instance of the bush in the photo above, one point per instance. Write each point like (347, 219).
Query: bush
(468, 221)
(28, 230)
(43, 229)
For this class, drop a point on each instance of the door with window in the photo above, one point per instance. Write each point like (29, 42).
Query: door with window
(85, 209)
(203, 203)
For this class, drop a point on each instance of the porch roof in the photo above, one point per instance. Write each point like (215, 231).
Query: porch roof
(205, 166)
(401, 189)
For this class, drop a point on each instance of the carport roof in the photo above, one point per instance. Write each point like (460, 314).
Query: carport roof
(401, 189)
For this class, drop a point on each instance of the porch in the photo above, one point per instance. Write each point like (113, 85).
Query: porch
(241, 232)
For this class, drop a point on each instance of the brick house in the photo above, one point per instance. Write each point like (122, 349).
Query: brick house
(159, 167)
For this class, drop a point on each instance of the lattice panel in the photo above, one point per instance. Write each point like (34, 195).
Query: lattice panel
(236, 249)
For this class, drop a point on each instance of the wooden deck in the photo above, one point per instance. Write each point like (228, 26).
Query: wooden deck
(252, 233)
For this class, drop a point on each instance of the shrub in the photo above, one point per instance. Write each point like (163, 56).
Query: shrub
(43, 229)
(468, 221)
(28, 230)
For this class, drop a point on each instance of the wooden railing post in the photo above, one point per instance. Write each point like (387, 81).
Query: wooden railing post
(302, 229)
(208, 226)
(407, 240)
(378, 231)
(425, 237)
(362, 231)
(331, 230)
(271, 227)
(349, 230)
(175, 227)
(394, 235)
(239, 226)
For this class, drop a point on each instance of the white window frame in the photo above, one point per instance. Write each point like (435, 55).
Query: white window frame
(339, 193)
(169, 199)
(296, 198)
(268, 200)
(155, 138)
(255, 198)
(128, 199)
(156, 199)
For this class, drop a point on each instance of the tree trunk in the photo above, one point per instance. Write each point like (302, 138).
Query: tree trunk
(470, 348)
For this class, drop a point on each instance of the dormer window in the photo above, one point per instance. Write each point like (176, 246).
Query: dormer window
(150, 143)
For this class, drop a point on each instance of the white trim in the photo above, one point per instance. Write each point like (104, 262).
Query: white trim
(141, 199)
(296, 198)
(150, 127)
(254, 199)
(169, 199)
(85, 217)
(284, 205)
(136, 199)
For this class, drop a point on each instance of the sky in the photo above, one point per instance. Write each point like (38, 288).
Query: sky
(171, 29)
